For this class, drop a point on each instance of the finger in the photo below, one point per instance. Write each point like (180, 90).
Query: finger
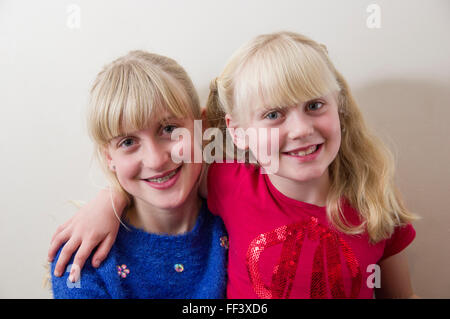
(66, 253)
(57, 242)
(75, 272)
(102, 251)
(81, 256)
(61, 228)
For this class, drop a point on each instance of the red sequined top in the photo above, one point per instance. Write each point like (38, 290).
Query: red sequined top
(283, 248)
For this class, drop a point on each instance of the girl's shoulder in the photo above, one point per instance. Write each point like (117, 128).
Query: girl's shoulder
(224, 183)
(234, 166)
(402, 237)
(92, 281)
(225, 176)
(403, 234)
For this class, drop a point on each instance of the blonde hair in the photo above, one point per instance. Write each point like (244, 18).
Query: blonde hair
(284, 69)
(131, 90)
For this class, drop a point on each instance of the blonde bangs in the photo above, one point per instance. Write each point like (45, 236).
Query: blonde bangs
(282, 74)
(128, 95)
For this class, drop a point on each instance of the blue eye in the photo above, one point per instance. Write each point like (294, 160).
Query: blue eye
(168, 129)
(314, 106)
(272, 115)
(126, 142)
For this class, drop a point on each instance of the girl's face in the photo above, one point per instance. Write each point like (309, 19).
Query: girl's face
(142, 162)
(309, 136)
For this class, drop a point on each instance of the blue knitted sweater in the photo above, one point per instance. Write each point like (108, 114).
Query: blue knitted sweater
(144, 265)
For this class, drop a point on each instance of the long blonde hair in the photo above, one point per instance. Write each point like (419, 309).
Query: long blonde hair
(286, 68)
(131, 90)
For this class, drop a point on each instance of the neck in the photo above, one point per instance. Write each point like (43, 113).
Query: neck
(312, 192)
(172, 221)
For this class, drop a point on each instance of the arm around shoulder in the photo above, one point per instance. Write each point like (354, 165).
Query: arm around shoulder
(94, 225)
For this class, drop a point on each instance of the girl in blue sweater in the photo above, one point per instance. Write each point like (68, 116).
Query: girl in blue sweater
(169, 244)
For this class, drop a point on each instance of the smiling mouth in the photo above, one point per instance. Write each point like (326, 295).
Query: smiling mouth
(308, 151)
(165, 178)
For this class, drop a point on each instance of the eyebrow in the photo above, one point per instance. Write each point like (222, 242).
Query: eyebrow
(169, 118)
(281, 107)
(267, 108)
(117, 138)
(164, 119)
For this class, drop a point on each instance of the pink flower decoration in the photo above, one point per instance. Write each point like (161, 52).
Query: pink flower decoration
(123, 271)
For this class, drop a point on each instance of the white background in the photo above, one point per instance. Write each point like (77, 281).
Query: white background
(399, 74)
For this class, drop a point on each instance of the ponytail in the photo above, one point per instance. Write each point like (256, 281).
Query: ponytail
(214, 111)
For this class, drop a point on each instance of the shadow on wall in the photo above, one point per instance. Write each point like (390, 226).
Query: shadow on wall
(412, 117)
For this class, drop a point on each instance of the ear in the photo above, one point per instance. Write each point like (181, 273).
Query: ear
(109, 159)
(236, 132)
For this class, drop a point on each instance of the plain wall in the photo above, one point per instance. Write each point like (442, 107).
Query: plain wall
(399, 74)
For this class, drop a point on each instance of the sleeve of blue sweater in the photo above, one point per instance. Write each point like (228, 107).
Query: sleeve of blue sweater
(90, 286)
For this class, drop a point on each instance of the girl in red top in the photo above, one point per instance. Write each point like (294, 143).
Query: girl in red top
(329, 221)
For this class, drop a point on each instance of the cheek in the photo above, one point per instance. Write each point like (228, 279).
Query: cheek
(331, 130)
(269, 140)
(126, 168)
(258, 142)
(265, 143)
(192, 172)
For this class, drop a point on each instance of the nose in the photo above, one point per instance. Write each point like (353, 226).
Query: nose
(154, 156)
(300, 125)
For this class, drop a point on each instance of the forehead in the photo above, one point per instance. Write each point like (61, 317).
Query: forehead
(154, 121)
(282, 75)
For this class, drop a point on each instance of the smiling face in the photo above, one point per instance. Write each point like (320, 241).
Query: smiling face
(285, 81)
(142, 162)
(309, 137)
(136, 101)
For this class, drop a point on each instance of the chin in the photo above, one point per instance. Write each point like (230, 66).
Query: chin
(303, 177)
(169, 202)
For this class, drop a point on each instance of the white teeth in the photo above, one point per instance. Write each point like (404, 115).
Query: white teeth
(310, 150)
(163, 179)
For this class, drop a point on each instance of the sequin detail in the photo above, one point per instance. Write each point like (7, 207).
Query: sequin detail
(327, 254)
(178, 267)
(123, 271)
(318, 289)
(224, 242)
